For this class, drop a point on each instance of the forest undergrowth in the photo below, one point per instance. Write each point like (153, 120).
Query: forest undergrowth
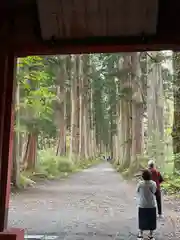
(53, 167)
(71, 109)
(171, 184)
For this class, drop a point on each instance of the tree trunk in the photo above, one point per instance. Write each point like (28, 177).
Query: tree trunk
(61, 107)
(31, 152)
(74, 148)
(118, 134)
(92, 127)
(155, 108)
(176, 121)
(137, 112)
(126, 138)
(61, 148)
(86, 97)
(126, 117)
(81, 111)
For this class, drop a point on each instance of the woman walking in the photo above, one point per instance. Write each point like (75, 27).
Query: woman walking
(158, 179)
(146, 190)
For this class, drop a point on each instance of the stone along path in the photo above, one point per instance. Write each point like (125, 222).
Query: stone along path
(94, 204)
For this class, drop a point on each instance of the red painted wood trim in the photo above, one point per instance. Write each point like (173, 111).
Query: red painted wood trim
(39, 48)
(5, 135)
(11, 140)
(12, 234)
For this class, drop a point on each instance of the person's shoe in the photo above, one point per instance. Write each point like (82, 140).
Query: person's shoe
(151, 238)
(160, 216)
(139, 237)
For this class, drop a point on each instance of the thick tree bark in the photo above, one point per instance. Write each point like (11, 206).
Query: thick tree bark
(155, 110)
(29, 160)
(176, 121)
(61, 148)
(86, 99)
(126, 137)
(137, 111)
(81, 111)
(93, 148)
(74, 142)
(61, 107)
(126, 117)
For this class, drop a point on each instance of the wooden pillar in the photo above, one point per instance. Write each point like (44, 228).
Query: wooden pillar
(6, 97)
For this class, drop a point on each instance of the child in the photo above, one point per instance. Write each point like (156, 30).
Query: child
(146, 190)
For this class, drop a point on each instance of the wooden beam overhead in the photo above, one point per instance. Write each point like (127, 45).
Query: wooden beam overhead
(88, 27)
(64, 19)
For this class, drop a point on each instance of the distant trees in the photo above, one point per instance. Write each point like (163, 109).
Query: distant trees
(81, 106)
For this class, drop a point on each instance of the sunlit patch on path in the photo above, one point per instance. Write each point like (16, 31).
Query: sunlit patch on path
(40, 237)
(99, 170)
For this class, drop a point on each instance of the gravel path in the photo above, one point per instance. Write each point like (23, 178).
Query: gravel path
(94, 204)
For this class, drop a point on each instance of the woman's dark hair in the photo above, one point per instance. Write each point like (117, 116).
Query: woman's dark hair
(146, 175)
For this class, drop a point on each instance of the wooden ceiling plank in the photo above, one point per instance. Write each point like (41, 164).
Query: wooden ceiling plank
(102, 16)
(150, 14)
(79, 21)
(74, 19)
(48, 15)
(167, 26)
(168, 18)
(64, 28)
(67, 16)
(133, 22)
(129, 18)
(115, 26)
(60, 21)
(92, 9)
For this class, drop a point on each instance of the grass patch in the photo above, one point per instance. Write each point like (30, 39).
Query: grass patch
(125, 172)
(171, 185)
(52, 167)
(134, 169)
(25, 181)
(168, 168)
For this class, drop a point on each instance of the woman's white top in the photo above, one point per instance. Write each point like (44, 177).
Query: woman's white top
(146, 194)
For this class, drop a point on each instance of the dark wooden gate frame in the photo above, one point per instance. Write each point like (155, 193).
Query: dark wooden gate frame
(8, 57)
(167, 38)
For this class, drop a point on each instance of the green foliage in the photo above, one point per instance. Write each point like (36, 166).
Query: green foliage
(86, 163)
(25, 181)
(53, 165)
(104, 89)
(133, 170)
(37, 79)
(119, 168)
(36, 96)
(65, 165)
(171, 184)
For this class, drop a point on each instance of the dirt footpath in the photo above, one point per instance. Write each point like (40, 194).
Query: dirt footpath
(94, 204)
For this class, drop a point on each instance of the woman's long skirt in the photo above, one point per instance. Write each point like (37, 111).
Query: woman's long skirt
(147, 219)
